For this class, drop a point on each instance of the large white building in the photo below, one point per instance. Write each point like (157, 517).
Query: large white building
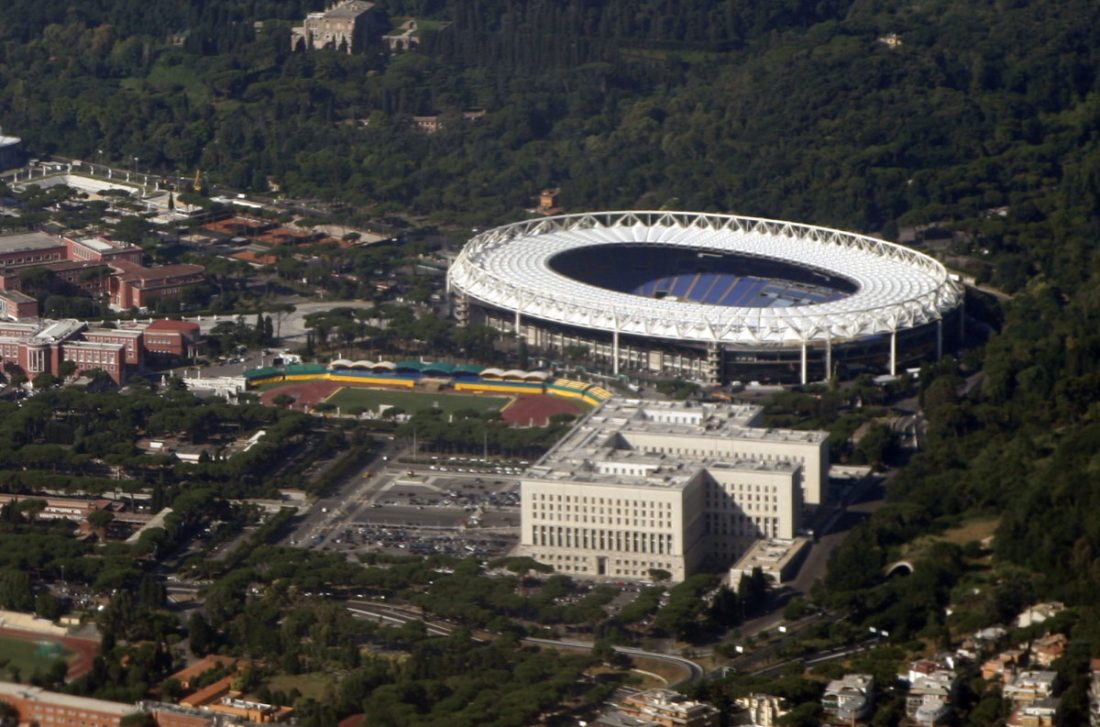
(641, 485)
(708, 297)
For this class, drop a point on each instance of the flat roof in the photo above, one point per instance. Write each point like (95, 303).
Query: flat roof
(15, 296)
(57, 699)
(95, 345)
(769, 555)
(27, 241)
(59, 330)
(123, 332)
(349, 9)
(599, 449)
(166, 324)
(96, 244)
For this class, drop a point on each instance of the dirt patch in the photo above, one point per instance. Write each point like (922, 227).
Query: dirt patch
(536, 410)
(306, 393)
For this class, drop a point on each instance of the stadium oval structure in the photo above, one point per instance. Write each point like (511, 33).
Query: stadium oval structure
(744, 294)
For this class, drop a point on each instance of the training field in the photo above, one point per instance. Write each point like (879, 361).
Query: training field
(370, 399)
(28, 656)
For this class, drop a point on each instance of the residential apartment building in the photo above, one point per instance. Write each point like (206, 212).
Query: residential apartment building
(1040, 713)
(848, 699)
(662, 708)
(759, 710)
(1031, 686)
(646, 485)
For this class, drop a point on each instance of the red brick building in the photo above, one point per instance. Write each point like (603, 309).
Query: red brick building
(41, 346)
(16, 305)
(136, 286)
(27, 249)
(96, 265)
(179, 339)
(52, 709)
(131, 338)
(101, 249)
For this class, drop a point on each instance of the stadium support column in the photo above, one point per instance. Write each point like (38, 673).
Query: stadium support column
(615, 348)
(462, 310)
(894, 352)
(939, 339)
(804, 357)
(828, 359)
(714, 364)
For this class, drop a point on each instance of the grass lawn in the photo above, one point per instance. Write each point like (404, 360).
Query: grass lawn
(28, 656)
(977, 528)
(313, 684)
(370, 399)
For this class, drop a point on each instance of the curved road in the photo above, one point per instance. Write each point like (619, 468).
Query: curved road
(398, 615)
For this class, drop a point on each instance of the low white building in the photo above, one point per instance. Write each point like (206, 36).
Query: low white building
(759, 710)
(777, 558)
(849, 699)
(1029, 686)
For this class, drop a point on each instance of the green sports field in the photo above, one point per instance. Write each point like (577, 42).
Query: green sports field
(369, 399)
(28, 656)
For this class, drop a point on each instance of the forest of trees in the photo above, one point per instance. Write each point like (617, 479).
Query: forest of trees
(786, 109)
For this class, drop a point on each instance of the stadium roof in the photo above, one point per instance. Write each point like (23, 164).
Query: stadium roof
(307, 368)
(897, 288)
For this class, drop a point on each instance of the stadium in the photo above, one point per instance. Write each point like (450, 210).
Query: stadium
(707, 297)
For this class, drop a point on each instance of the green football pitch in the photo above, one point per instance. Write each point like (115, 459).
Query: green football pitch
(369, 399)
(28, 656)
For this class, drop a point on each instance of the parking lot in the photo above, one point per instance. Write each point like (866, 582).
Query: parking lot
(424, 509)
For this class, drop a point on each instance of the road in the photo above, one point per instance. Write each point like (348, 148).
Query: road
(293, 325)
(396, 615)
(351, 501)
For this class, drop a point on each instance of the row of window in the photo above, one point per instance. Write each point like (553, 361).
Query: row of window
(601, 519)
(592, 500)
(604, 540)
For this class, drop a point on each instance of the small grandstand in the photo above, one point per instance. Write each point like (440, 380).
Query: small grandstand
(432, 377)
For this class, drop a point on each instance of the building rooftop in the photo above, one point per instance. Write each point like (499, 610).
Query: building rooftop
(134, 273)
(9, 140)
(600, 450)
(95, 345)
(57, 699)
(120, 332)
(768, 555)
(169, 325)
(28, 241)
(55, 331)
(16, 297)
(349, 9)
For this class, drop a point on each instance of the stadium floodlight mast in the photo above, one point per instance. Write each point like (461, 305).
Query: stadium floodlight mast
(894, 288)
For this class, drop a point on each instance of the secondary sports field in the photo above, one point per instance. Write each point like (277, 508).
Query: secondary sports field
(370, 399)
(29, 656)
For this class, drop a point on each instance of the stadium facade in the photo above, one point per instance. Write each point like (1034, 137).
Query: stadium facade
(642, 485)
(708, 297)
